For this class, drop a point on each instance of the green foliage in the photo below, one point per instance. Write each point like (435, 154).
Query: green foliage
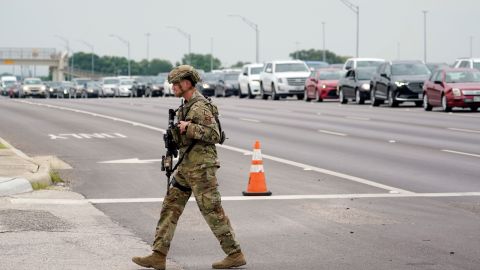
(317, 55)
(239, 64)
(119, 65)
(201, 61)
(56, 177)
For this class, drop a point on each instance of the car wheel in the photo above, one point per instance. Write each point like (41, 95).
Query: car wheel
(426, 104)
(375, 102)
(359, 97)
(318, 98)
(474, 108)
(262, 92)
(445, 106)
(307, 98)
(391, 99)
(275, 96)
(250, 95)
(341, 97)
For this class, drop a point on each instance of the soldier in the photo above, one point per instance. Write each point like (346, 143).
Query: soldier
(198, 126)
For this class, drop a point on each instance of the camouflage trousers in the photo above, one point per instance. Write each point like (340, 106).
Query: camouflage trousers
(203, 184)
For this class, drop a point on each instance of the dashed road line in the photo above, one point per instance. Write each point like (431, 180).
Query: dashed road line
(464, 130)
(250, 120)
(461, 153)
(332, 133)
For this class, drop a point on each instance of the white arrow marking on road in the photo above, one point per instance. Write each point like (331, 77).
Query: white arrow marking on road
(130, 161)
(54, 137)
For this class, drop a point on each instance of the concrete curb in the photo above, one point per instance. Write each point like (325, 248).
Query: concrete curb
(18, 184)
(12, 186)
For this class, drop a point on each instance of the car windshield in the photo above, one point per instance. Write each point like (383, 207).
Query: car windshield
(33, 81)
(317, 65)
(211, 77)
(111, 81)
(8, 83)
(231, 77)
(462, 76)
(409, 69)
(54, 84)
(256, 70)
(365, 73)
(476, 65)
(291, 67)
(82, 81)
(369, 63)
(67, 84)
(126, 82)
(330, 75)
(93, 84)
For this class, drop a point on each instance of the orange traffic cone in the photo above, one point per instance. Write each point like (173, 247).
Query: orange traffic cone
(256, 182)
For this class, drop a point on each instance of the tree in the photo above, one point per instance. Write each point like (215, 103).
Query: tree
(201, 61)
(317, 55)
(239, 64)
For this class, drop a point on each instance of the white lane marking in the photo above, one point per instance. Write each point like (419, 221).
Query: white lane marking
(247, 198)
(392, 141)
(321, 170)
(247, 152)
(460, 153)
(464, 130)
(130, 161)
(250, 120)
(357, 118)
(332, 133)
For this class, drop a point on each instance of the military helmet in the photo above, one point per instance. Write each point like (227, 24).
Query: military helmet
(183, 72)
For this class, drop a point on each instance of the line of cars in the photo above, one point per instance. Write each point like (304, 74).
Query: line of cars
(121, 86)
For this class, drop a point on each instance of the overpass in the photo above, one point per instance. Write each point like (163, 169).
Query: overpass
(56, 61)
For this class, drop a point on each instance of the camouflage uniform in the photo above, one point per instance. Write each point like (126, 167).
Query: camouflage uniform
(196, 174)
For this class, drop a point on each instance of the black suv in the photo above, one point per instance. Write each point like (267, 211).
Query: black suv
(399, 81)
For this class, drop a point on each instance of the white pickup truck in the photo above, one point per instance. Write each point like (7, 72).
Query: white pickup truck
(283, 78)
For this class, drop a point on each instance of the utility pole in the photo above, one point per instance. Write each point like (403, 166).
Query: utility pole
(356, 10)
(323, 37)
(471, 46)
(254, 26)
(127, 43)
(211, 54)
(148, 52)
(425, 35)
(93, 58)
(189, 38)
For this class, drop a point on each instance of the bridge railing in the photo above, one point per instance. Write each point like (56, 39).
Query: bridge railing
(29, 53)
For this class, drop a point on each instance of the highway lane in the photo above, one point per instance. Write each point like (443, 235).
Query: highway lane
(374, 233)
(397, 147)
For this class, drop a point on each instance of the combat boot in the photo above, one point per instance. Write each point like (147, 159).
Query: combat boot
(155, 260)
(232, 260)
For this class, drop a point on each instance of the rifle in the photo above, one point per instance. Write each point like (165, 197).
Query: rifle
(172, 148)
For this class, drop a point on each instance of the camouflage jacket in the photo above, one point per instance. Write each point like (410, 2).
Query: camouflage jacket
(203, 128)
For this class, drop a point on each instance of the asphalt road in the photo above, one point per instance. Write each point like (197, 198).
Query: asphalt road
(362, 187)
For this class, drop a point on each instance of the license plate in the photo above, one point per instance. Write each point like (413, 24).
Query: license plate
(420, 96)
(476, 99)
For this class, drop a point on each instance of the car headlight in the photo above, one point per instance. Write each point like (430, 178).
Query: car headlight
(51, 89)
(456, 92)
(324, 86)
(205, 85)
(366, 86)
(400, 84)
(43, 88)
(25, 88)
(280, 80)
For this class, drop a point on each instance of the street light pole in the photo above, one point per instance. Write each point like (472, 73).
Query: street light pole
(93, 59)
(64, 39)
(189, 38)
(148, 52)
(471, 46)
(254, 26)
(211, 54)
(126, 42)
(355, 9)
(425, 35)
(323, 37)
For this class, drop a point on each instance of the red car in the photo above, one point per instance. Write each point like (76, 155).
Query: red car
(452, 87)
(322, 84)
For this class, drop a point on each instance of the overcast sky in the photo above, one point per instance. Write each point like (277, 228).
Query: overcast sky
(387, 27)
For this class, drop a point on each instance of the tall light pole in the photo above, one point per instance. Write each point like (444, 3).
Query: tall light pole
(93, 58)
(296, 49)
(425, 35)
(67, 45)
(254, 26)
(355, 9)
(127, 43)
(148, 51)
(471, 46)
(189, 38)
(323, 37)
(211, 54)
